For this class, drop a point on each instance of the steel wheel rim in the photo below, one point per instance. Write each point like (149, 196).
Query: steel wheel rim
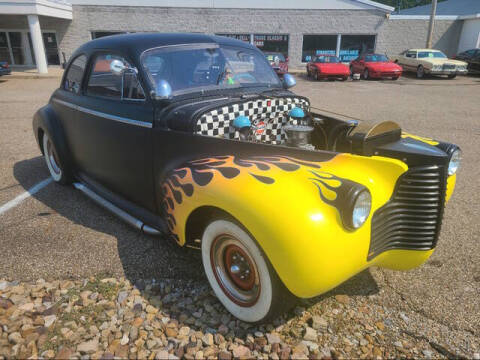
(52, 158)
(235, 270)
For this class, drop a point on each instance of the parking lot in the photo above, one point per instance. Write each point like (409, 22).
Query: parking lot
(57, 233)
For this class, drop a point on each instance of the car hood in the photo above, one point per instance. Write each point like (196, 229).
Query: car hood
(333, 67)
(383, 66)
(181, 115)
(444, 61)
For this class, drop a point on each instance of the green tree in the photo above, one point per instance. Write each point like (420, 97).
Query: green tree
(405, 4)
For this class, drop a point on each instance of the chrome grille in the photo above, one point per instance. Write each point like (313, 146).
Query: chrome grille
(449, 67)
(412, 218)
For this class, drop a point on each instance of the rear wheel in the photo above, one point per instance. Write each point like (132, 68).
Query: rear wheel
(308, 73)
(420, 72)
(344, 78)
(452, 76)
(317, 75)
(51, 158)
(240, 274)
(395, 77)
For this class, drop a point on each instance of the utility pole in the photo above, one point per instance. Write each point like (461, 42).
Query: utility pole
(431, 24)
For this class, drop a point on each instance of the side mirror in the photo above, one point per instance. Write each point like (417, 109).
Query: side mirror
(117, 67)
(163, 91)
(289, 81)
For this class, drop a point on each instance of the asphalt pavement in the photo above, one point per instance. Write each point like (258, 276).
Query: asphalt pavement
(58, 233)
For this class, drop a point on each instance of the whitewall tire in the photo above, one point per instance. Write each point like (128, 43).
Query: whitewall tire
(239, 273)
(51, 158)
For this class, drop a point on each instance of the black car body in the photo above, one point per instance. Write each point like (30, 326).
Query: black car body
(5, 68)
(472, 58)
(195, 138)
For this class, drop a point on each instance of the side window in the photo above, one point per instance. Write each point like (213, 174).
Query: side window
(105, 83)
(411, 54)
(73, 79)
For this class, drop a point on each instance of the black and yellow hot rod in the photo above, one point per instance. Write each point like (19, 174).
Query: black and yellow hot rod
(194, 138)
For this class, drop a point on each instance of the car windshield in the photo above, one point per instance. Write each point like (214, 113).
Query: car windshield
(431, 54)
(272, 57)
(327, 59)
(204, 67)
(376, 58)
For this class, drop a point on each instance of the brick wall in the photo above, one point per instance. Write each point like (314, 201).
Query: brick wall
(398, 35)
(393, 35)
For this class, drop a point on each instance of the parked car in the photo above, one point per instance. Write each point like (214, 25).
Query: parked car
(375, 66)
(429, 62)
(280, 199)
(327, 67)
(5, 68)
(278, 62)
(472, 58)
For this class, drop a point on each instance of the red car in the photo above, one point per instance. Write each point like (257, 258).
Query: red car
(327, 67)
(375, 66)
(278, 62)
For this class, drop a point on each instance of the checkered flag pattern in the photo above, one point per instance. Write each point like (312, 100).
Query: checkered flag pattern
(269, 115)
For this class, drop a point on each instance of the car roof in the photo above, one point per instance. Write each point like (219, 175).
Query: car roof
(139, 42)
(433, 50)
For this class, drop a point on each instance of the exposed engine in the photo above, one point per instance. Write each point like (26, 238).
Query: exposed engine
(289, 121)
(298, 129)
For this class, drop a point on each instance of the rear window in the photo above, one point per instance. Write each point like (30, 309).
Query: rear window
(73, 79)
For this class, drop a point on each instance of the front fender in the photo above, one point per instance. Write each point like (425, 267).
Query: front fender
(288, 205)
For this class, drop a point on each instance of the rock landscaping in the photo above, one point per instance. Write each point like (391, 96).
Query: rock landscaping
(107, 318)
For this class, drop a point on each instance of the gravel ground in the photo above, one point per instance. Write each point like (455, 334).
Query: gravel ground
(59, 235)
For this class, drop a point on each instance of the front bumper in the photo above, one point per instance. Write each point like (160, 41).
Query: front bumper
(447, 72)
(382, 75)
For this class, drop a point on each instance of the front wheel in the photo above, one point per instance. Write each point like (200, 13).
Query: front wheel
(240, 274)
(58, 174)
(420, 72)
(366, 75)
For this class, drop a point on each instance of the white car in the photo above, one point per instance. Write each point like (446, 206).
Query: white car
(428, 61)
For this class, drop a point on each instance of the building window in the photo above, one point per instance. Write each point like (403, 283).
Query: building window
(272, 43)
(242, 37)
(318, 45)
(99, 34)
(4, 51)
(352, 46)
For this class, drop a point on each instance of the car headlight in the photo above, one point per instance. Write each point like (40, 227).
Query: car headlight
(454, 163)
(361, 208)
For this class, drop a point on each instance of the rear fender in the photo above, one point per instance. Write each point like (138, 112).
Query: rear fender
(46, 121)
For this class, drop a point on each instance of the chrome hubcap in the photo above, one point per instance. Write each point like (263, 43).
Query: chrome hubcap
(235, 270)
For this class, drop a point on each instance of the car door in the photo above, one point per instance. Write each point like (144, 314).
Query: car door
(112, 146)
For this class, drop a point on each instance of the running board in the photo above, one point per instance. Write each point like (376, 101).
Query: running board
(129, 219)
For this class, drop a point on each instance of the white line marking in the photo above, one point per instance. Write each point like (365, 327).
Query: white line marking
(34, 189)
